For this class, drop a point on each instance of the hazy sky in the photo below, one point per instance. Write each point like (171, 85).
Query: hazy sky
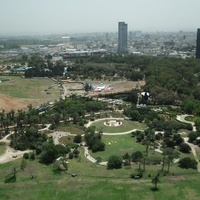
(71, 16)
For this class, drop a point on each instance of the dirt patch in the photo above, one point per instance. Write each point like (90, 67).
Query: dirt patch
(176, 178)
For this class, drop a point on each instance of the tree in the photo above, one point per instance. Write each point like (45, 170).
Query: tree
(137, 157)
(168, 155)
(98, 159)
(78, 138)
(26, 156)
(185, 148)
(60, 164)
(11, 177)
(23, 164)
(114, 162)
(187, 163)
(177, 139)
(127, 159)
(171, 155)
(155, 181)
(76, 153)
(192, 137)
(133, 97)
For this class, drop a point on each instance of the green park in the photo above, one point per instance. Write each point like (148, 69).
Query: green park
(92, 146)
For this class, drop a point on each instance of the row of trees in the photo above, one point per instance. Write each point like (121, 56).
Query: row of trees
(141, 159)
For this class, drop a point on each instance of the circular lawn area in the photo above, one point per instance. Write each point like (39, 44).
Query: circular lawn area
(126, 126)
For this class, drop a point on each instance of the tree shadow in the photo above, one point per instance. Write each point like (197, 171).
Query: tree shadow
(10, 179)
(154, 189)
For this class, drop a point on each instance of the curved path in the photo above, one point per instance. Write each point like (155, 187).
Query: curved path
(193, 147)
(181, 118)
(87, 155)
(111, 118)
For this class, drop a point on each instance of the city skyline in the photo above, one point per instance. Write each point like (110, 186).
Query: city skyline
(31, 17)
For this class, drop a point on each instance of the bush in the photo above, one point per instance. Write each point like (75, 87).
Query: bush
(32, 156)
(185, 148)
(26, 156)
(114, 162)
(187, 163)
(78, 139)
(71, 155)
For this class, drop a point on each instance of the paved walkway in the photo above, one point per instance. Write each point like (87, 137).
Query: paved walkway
(193, 147)
(181, 118)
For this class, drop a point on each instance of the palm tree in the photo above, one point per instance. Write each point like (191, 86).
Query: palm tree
(137, 157)
(155, 181)
(169, 154)
(147, 142)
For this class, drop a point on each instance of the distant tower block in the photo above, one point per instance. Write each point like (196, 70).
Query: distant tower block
(122, 38)
(198, 44)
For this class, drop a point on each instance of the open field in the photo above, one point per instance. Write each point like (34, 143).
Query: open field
(19, 92)
(72, 128)
(96, 182)
(118, 145)
(16, 92)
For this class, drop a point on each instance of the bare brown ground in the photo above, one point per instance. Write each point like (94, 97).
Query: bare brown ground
(7, 103)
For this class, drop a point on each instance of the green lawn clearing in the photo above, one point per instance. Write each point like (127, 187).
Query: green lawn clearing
(127, 125)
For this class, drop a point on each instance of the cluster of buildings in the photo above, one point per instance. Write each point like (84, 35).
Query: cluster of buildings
(161, 44)
(166, 44)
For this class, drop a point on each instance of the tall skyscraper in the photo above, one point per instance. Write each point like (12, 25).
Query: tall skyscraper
(198, 44)
(122, 38)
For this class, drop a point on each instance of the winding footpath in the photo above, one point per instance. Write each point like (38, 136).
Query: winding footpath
(193, 147)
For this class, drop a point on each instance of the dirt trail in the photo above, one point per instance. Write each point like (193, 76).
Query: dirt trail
(10, 153)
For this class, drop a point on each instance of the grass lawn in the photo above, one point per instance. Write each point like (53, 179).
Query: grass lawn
(119, 145)
(126, 126)
(190, 118)
(28, 88)
(95, 182)
(72, 128)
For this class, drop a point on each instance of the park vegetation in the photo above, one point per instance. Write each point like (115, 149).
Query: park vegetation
(169, 81)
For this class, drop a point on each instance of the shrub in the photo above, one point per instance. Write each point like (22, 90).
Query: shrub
(114, 162)
(187, 163)
(26, 156)
(185, 148)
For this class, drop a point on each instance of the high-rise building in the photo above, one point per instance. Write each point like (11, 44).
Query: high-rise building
(130, 35)
(122, 38)
(198, 44)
